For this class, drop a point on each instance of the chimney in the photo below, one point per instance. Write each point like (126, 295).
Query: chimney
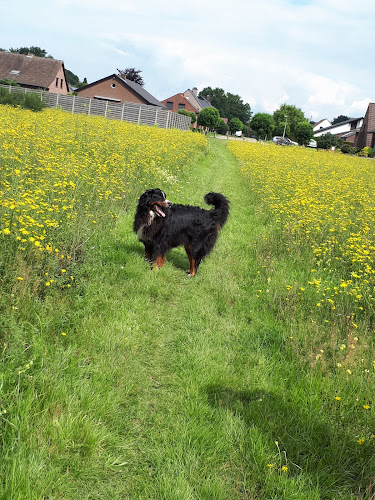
(208, 98)
(195, 91)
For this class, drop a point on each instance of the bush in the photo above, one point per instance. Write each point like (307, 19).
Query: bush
(18, 98)
(191, 114)
(366, 151)
(347, 149)
(326, 141)
(222, 128)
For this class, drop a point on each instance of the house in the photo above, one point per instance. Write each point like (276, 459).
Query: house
(366, 134)
(113, 88)
(321, 124)
(179, 101)
(347, 130)
(197, 102)
(34, 72)
(189, 101)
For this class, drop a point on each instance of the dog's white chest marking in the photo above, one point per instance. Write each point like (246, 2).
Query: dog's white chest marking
(140, 230)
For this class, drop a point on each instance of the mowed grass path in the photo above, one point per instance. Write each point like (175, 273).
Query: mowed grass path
(169, 387)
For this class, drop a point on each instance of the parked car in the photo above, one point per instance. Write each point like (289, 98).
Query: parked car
(312, 144)
(284, 141)
(238, 133)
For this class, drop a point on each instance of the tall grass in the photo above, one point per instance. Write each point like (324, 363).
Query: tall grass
(65, 178)
(119, 382)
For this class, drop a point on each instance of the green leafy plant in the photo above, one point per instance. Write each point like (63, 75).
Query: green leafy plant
(367, 152)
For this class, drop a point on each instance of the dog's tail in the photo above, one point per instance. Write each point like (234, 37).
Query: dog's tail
(221, 211)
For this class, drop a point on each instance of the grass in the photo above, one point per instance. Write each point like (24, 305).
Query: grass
(139, 384)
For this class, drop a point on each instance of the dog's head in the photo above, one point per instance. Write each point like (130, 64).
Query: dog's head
(155, 202)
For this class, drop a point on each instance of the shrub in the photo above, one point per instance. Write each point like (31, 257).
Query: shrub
(18, 98)
(191, 114)
(326, 141)
(347, 149)
(33, 102)
(366, 151)
(222, 128)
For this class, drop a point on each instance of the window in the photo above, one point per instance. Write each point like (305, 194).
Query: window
(57, 82)
(169, 105)
(181, 106)
(113, 85)
(61, 83)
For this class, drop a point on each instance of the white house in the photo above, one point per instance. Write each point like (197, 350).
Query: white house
(346, 130)
(321, 124)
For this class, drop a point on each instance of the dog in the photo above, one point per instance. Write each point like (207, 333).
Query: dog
(161, 226)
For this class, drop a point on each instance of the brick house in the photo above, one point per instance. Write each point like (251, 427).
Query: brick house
(366, 135)
(177, 102)
(34, 72)
(113, 88)
(189, 101)
(198, 102)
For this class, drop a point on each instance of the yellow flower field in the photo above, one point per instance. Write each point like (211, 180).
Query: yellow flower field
(61, 174)
(325, 202)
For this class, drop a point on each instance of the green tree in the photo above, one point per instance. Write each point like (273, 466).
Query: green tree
(303, 132)
(191, 114)
(281, 129)
(339, 119)
(326, 141)
(294, 116)
(37, 51)
(131, 74)
(209, 118)
(263, 125)
(222, 127)
(235, 124)
(229, 105)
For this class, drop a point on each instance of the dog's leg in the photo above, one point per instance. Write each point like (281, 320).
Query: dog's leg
(158, 262)
(192, 270)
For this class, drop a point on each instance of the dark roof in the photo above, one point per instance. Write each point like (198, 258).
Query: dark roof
(203, 102)
(135, 87)
(29, 70)
(340, 123)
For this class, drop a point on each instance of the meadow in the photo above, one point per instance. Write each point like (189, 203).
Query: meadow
(254, 379)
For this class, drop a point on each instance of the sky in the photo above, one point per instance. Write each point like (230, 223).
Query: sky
(317, 55)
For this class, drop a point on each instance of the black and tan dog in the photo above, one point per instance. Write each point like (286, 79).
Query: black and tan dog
(160, 226)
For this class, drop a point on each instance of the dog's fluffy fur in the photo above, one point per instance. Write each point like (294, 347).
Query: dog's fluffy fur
(160, 226)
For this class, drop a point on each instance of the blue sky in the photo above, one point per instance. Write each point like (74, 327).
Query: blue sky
(315, 54)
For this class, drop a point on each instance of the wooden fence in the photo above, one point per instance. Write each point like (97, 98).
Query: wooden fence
(141, 114)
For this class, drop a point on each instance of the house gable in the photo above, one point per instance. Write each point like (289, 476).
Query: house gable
(34, 72)
(115, 89)
(177, 102)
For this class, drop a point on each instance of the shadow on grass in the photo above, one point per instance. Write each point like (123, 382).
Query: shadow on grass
(313, 444)
(176, 257)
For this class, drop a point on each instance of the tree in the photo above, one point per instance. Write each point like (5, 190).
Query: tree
(339, 119)
(191, 114)
(263, 125)
(229, 105)
(303, 132)
(131, 74)
(282, 129)
(209, 118)
(235, 124)
(326, 141)
(294, 116)
(37, 51)
(222, 127)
